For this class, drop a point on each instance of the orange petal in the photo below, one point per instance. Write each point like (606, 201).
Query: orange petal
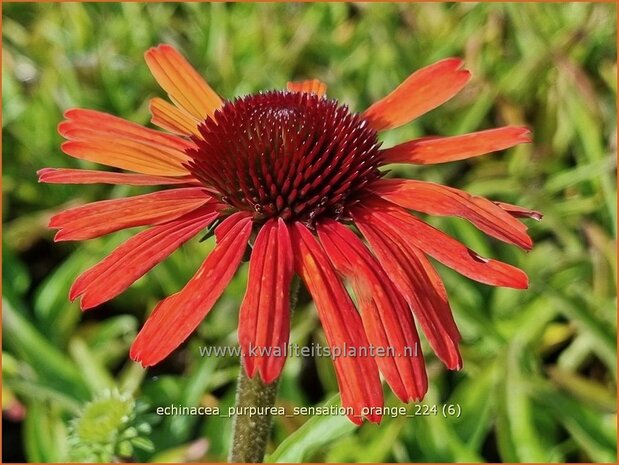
(134, 258)
(421, 92)
(181, 81)
(387, 320)
(108, 140)
(127, 156)
(174, 119)
(177, 316)
(420, 285)
(520, 212)
(430, 150)
(84, 124)
(435, 199)
(357, 376)
(106, 216)
(439, 245)
(72, 176)
(310, 86)
(264, 316)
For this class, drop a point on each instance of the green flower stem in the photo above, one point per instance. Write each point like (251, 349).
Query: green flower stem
(250, 433)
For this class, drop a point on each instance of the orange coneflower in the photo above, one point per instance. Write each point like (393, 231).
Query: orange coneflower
(296, 169)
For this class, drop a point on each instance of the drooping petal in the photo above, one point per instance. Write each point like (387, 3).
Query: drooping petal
(76, 176)
(108, 140)
(430, 150)
(182, 82)
(98, 218)
(421, 92)
(520, 212)
(310, 86)
(264, 318)
(439, 245)
(174, 119)
(177, 316)
(436, 199)
(135, 257)
(420, 285)
(357, 376)
(386, 317)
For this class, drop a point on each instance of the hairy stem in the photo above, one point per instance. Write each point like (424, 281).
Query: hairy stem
(251, 432)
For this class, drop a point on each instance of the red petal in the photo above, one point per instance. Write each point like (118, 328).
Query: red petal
(357, 376)
(108, 140)
(435, 199)
(386, 317)
(430, 150)
(72, 176)
(182, 82)
(135, 257)
(310, 86)
(421, 92)
(420, 285)
(520, 212)
(176, 317)
(99, 218)
(439, 245)
(264, 319)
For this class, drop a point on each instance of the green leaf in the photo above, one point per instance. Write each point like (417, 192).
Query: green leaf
(436, 436)
(477, 398)
(52, 367)
(318, 432)
(45, 434)
(52, 307)
(595, 431)
(95, 374)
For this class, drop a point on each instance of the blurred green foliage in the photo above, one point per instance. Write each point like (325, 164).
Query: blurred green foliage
(539, 376)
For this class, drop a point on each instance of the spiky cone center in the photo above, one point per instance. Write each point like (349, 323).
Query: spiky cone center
(292, 155)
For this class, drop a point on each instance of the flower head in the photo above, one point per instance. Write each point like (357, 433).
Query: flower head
(291, 155)
(289, 172)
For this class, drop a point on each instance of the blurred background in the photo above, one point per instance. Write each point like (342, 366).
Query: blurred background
(540, 371)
